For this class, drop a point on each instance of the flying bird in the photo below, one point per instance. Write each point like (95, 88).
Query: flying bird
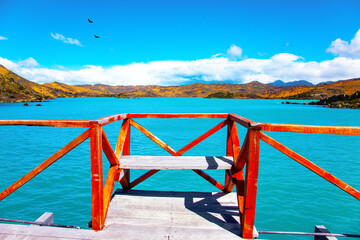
(96, 36)
(90, 21)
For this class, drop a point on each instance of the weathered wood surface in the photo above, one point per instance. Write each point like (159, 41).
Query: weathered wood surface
(322, 229)
(173, 215)
(32, 232)
(47, 218)
(151, 215)
(175, 162)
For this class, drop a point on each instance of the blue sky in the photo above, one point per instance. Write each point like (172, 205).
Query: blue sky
(176, 42)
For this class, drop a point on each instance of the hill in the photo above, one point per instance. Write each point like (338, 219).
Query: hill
(319, 91)
(14, 88)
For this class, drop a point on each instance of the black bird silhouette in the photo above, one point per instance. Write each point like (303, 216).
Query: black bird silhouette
(90, 21)
(96, 36)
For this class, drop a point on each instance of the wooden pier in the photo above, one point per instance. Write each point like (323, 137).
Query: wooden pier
(171, 215)
(151, 215)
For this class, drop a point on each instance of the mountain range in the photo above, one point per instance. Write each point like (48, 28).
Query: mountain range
(280, 83)
(14, 88)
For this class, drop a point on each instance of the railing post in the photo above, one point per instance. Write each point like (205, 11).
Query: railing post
(229, 145)
(125, 181)
(96, 178)
(232, 149)
(252, 169)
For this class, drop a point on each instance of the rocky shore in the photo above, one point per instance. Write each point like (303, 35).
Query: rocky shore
(340, 101)
(336, 101)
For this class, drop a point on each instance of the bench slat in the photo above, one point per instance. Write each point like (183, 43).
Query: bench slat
(175, 163)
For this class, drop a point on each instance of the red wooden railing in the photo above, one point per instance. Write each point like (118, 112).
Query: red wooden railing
(243, 175)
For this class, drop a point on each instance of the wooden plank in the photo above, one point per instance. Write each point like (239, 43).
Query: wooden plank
(278, 127)
(47, 218)
(96, 178)
(229, 145)
(125, 128)
(311, 166)
(56, 156)
(49, 123)
(162, 213)
(322, 229)
(110, 155)
(233, 146)
(235, 141)
(176, 162)
(178, 115)
(125, 181)
(243, 155)
(241, 120)
(110, 119)
(32, 232)
(202, 138)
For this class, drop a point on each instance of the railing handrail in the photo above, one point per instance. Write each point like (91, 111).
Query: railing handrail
(247, 154)
(274, 127)
(315, 129)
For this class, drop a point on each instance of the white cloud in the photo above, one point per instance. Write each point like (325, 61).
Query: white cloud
(3, 38)
(283, 66)
(30, 62)
(344, 49)
(216, 55)
(234, 51)
(64, 39)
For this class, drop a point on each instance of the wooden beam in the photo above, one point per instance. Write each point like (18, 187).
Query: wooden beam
(125, 128)
(176, 162)
(311, 166)
(178, 115)
(242, 158)
(241, 120)
(322, 229)
(110, 119)
(46, 218)
(251, 178)
(49, 123)
(234, 145)
(309, 129)
(110, 155)
(235, 141)
(202, 137)
(56, 156)
(229, 147)
(125, 180)
(96, 178)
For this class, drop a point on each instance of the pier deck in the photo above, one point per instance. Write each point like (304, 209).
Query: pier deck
(138, 214)
(174, 215)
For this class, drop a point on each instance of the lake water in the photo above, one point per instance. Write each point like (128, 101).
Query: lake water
(290, 197)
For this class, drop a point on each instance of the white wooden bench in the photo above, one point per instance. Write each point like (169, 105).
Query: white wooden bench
(175, 162)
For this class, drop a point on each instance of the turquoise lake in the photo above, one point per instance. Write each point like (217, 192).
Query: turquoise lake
(290, 197)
